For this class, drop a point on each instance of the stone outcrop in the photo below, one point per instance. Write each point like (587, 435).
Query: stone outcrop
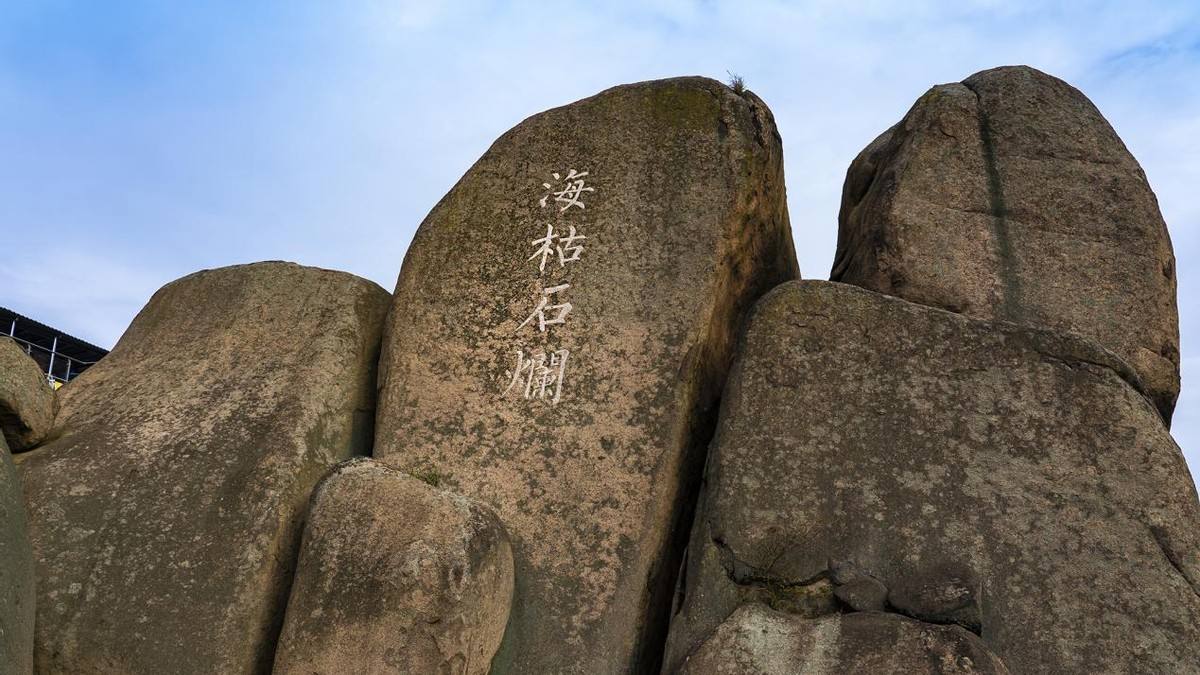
(874, 454)
(756, 640)
(166, 516)
(395, 576)
(16, 573)
(560, 333)
(26, 400)
(1009, 196)
(957, 460)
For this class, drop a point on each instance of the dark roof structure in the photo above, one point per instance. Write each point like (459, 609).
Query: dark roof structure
(61, 356)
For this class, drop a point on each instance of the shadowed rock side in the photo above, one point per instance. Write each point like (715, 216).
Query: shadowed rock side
(756, 640)
(166, 518)
(1009, 196)
(875, 454)
(395, 576)
(583, 426)
(26, 413)
(16, 573)
(26, 400)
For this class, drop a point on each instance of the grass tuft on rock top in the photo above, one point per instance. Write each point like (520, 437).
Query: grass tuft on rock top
(736, 83)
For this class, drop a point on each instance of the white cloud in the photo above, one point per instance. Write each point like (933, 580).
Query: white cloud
(89, 296)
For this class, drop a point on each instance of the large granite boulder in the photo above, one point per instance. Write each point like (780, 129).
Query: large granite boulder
(26, 399)
(1009, 196)
(756, 640)
(165, 519)
(559, 336)
(16, 573)
(395, 576)
(878, 455)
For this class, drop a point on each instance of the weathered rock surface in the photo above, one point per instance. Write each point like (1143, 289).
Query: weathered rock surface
(16, 573)
(583, 427)
(1006, 479)
(26, 401)
(756, 640)
(395, 576)
(166, 518)
(1009, 196)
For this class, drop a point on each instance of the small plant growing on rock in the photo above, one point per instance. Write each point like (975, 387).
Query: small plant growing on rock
(430, 476)
(736, 83)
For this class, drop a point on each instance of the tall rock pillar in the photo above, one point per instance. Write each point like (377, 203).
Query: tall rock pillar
(559, 336)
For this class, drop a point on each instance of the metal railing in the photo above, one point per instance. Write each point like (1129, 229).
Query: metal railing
(51, 379)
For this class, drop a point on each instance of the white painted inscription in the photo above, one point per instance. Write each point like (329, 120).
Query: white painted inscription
(565, 247)
(543, 306)
(542, 374)
(572, 191)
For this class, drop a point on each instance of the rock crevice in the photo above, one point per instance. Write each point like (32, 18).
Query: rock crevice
(1011, 307)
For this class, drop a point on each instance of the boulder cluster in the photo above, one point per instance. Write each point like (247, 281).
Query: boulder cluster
(601, 426)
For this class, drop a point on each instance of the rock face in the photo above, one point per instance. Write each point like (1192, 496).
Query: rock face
(756, 640)
(16, 573)
(1009, 196)
(874, 453)
(166, 518)
(26, 401)
(559, 335)
(396, 576)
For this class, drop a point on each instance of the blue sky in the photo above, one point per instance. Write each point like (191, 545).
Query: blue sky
(146, 140)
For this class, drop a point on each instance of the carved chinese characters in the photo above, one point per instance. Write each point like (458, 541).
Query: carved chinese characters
(542, 374)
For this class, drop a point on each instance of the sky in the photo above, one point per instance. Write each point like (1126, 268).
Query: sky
(144, 140)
